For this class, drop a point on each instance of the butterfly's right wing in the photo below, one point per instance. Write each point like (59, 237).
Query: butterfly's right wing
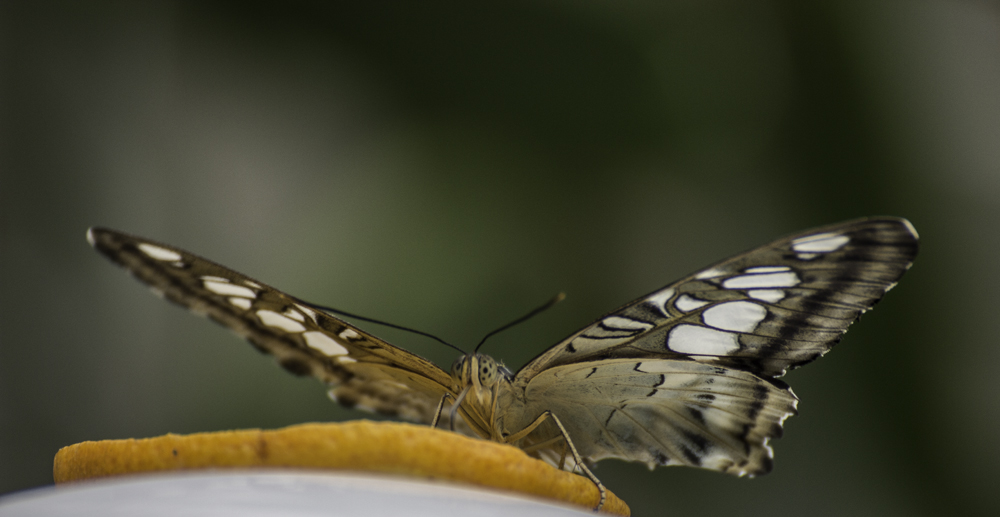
(362, 370)
(687, 375)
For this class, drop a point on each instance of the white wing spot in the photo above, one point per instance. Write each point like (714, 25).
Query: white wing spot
(741, 316)
(365, 407)
(768, 280)
(294, 314)
(346, 359)
(158, 253)
(820, 243)
(242, 303)
(767, 295)
(710, 273)
(227, 289)
(695, 340)
(349, 334)
(586, 345)
(767, 269)
(617, 322)
(660, 300)
(308, 312)
(324, 343)
(273, 319)
(253, 284)
(687, 304)
(210, 278)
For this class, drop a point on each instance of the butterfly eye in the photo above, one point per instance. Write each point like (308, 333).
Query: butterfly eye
(456, 367)
(487, 370)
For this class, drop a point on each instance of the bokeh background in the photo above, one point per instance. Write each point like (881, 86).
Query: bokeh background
(449, 166)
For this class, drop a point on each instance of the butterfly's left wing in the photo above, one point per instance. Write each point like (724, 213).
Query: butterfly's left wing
(362, 370)
(687, 374)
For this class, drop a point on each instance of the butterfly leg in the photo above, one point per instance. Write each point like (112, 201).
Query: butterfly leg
(562, 458)
(549, 443)
(565, 436)
(453, 414)
(437, 413)
(542, 445)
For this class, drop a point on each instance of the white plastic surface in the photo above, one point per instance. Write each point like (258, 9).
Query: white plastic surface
(268, 494)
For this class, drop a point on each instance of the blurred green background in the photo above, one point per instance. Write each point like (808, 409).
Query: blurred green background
(449, 166)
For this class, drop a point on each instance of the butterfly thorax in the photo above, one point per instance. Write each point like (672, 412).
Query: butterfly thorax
(482, 385)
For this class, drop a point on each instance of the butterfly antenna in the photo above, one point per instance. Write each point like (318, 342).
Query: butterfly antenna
(555, 299)
(372, 320)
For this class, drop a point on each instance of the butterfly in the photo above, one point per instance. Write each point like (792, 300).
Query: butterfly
(686, 375)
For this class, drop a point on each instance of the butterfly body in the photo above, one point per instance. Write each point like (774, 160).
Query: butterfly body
(479, 386)
(686, 375)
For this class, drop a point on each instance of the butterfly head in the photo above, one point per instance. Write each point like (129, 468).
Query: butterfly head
(479, 371)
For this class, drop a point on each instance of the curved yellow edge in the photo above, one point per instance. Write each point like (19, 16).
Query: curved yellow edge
(361, 445)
